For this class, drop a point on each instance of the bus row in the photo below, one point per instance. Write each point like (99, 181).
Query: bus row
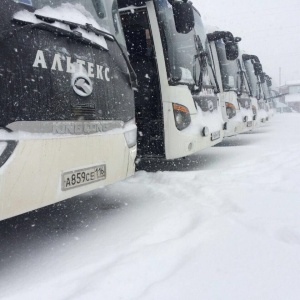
(89, 85)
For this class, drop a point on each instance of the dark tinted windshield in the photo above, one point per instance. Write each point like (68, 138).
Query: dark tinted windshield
(266, 90)
(180, 49)
(208, 78)
(103, 14)
(229, 68)
(253, 80)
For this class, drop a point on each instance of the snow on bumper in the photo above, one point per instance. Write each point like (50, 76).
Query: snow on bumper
(33, 175)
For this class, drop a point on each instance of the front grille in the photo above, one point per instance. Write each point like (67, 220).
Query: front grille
(207, 102)
(86, 111)
(245, 103)
(261, 104)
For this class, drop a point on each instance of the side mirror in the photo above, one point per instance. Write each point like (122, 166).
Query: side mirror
(269, 81)
(232, 50)
(257, 68)
(100, 9)
(183, 16)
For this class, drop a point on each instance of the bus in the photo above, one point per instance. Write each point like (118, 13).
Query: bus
(234, 92)
(270, 95)
(254, 74)
(250, 91)
(67, 117)
(177, 109)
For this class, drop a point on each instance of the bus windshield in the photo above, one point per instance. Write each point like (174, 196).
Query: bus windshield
(208, 77)
(180, 49)
(253, 80)
(229, 69)
(266, 90)
(103, 14)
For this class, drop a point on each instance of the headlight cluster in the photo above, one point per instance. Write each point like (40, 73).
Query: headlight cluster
(254, 110)
(230, 110)
(131, 135)
(182, 116)
(3, 146)
(6, 147)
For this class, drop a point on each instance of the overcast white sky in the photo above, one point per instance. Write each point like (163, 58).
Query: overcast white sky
(269, 29)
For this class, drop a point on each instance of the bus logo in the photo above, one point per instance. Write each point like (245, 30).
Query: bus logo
(82, 86)
(210, 105)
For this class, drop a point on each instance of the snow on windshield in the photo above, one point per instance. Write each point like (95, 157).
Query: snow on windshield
(67, 12)
(71, 13)
(186, 76)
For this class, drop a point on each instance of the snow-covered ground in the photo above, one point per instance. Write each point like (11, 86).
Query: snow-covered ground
(225, 227)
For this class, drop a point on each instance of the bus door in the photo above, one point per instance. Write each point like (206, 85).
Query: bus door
(148, 102)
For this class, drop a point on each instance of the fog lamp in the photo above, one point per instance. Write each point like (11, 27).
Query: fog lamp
(205, 131)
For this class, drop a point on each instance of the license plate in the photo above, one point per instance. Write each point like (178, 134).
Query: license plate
(249, 123)
(215, 135)
(82, 177)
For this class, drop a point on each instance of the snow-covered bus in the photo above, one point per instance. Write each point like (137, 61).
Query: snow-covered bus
(254, 70)
(177, 109)
(234, 91)
(269, 98)
(67, 102)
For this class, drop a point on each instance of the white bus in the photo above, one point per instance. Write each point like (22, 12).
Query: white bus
(177, 108)
(234, 92)
(267, 84)
(67, 103)
(251, 94)
(254, 70)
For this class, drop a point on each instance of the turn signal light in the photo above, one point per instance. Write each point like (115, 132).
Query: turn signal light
(230, 110)
(182, 116)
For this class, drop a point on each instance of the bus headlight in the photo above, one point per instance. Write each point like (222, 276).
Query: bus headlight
(182, 116)
(130, 137)
(205, 131)
(254, 110)
(7, 147)
(3, 146)
(230, 110)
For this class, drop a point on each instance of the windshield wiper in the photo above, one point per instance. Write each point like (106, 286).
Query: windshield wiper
(201, 56)
(243, 78)
(241, 85)
(87, 27)
(49, 27)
